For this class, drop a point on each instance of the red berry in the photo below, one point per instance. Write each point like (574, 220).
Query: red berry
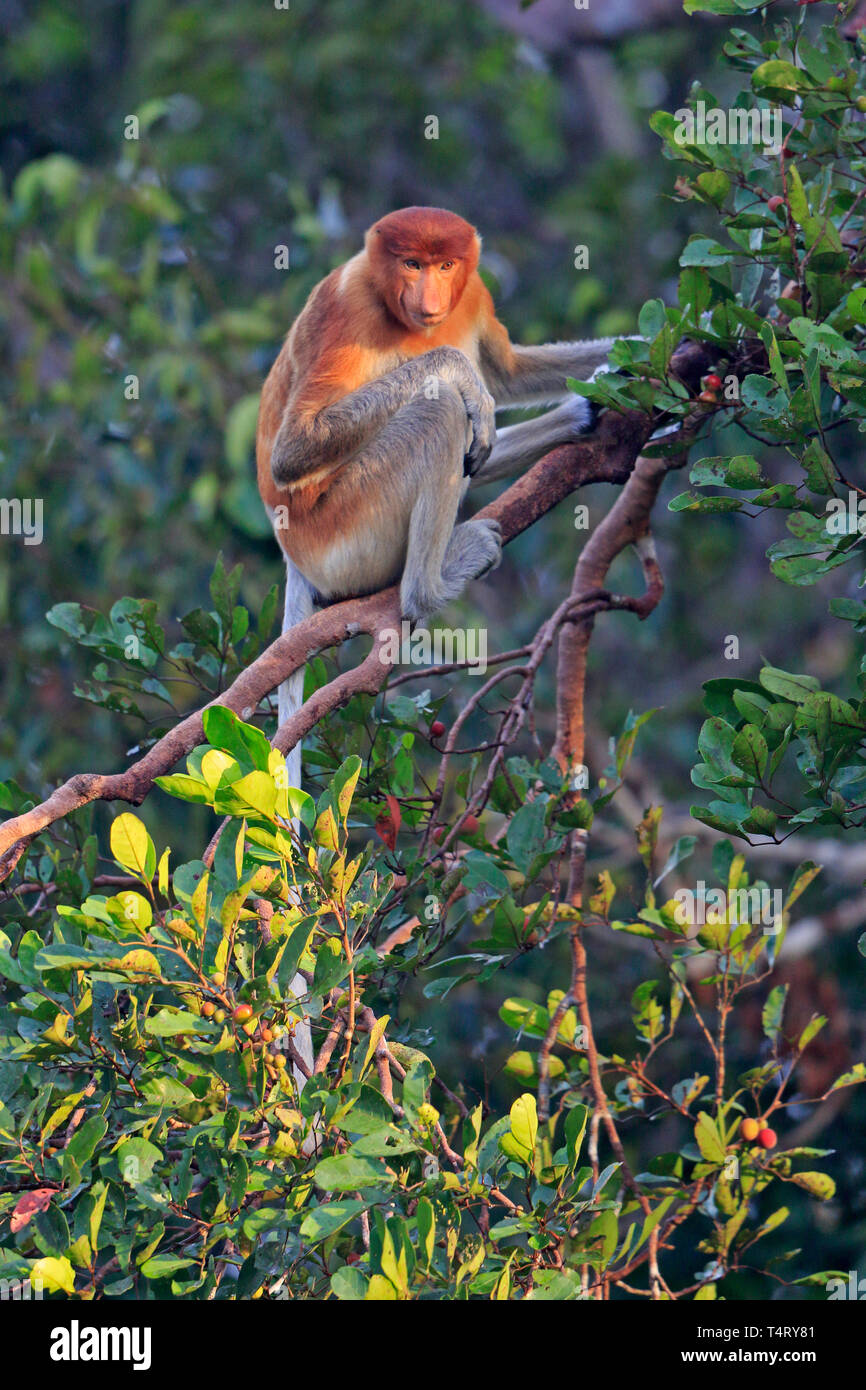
(470, 826)
(767, 1139)
(750, 1129)
(713, 382)
(242, 1013)
(208, 1009)
(439, 834)
(437, 728)
(352, 1258)
(709, 397)
(775, 202)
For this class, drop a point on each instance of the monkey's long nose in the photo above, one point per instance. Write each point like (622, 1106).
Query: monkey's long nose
(431, 302)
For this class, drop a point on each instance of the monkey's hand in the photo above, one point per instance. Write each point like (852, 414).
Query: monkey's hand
(580, 415)
(481, 410)
(453, 366)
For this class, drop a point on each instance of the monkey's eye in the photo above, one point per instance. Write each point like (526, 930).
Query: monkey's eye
(447, 265)
(412, 265)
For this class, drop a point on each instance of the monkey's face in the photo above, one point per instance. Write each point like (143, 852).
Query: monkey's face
(425, 290)
(420, 261)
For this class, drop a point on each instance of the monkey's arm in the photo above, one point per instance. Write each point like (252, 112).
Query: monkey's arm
(518, 447)
(535, 375)
(308, 440)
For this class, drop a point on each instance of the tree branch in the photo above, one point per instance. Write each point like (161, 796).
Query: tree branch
(606, 456)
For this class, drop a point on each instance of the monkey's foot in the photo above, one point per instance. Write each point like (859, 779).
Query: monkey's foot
(474, 548)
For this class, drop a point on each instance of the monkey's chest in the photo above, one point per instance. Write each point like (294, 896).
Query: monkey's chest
(413, 348)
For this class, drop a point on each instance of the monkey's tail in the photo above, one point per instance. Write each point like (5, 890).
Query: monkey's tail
(290, 697)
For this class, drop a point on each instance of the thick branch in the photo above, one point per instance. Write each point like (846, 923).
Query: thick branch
(627, 523)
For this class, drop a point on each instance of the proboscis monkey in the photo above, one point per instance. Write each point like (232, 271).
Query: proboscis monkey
(378, 415)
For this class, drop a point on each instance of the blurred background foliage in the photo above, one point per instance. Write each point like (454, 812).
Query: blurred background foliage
(142, 306)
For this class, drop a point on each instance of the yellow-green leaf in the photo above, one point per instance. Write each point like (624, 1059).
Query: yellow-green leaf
(53, 1274)
(819, 1185)
(130, 843)
(524, 1121)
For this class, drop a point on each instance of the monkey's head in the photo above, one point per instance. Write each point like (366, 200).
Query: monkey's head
(420, 260)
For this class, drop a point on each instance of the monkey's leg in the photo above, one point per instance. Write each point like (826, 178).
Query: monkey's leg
(441, 559)
(517, 447)
(389, 513)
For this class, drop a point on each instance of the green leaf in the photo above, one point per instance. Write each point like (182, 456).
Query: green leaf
(779, 76)
(344, 1172)
(526, 835)
(818, 1185)
(290, 955)
(325, 1220)
(167, 1091)
(797, 199)
(749, 751)
(802, 877)
(331, 966)
(170, 1023)
(136, 1159)
(776, 1219)
(715, 185)
(652, 318)
(163, 1265)
(525, 1016)
(86, 1140)
(426, 1221)
(708, 1139)
(223, 729)
(240, 430)
(62, 957)
(524, 1065)
(349, 1284)
(813, 1027)
(704, 250)
(819, 468)
(787, 686)
(186, 788)
(853, 1077)
(344, 782)
(575, 1128)
(771, 1015)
